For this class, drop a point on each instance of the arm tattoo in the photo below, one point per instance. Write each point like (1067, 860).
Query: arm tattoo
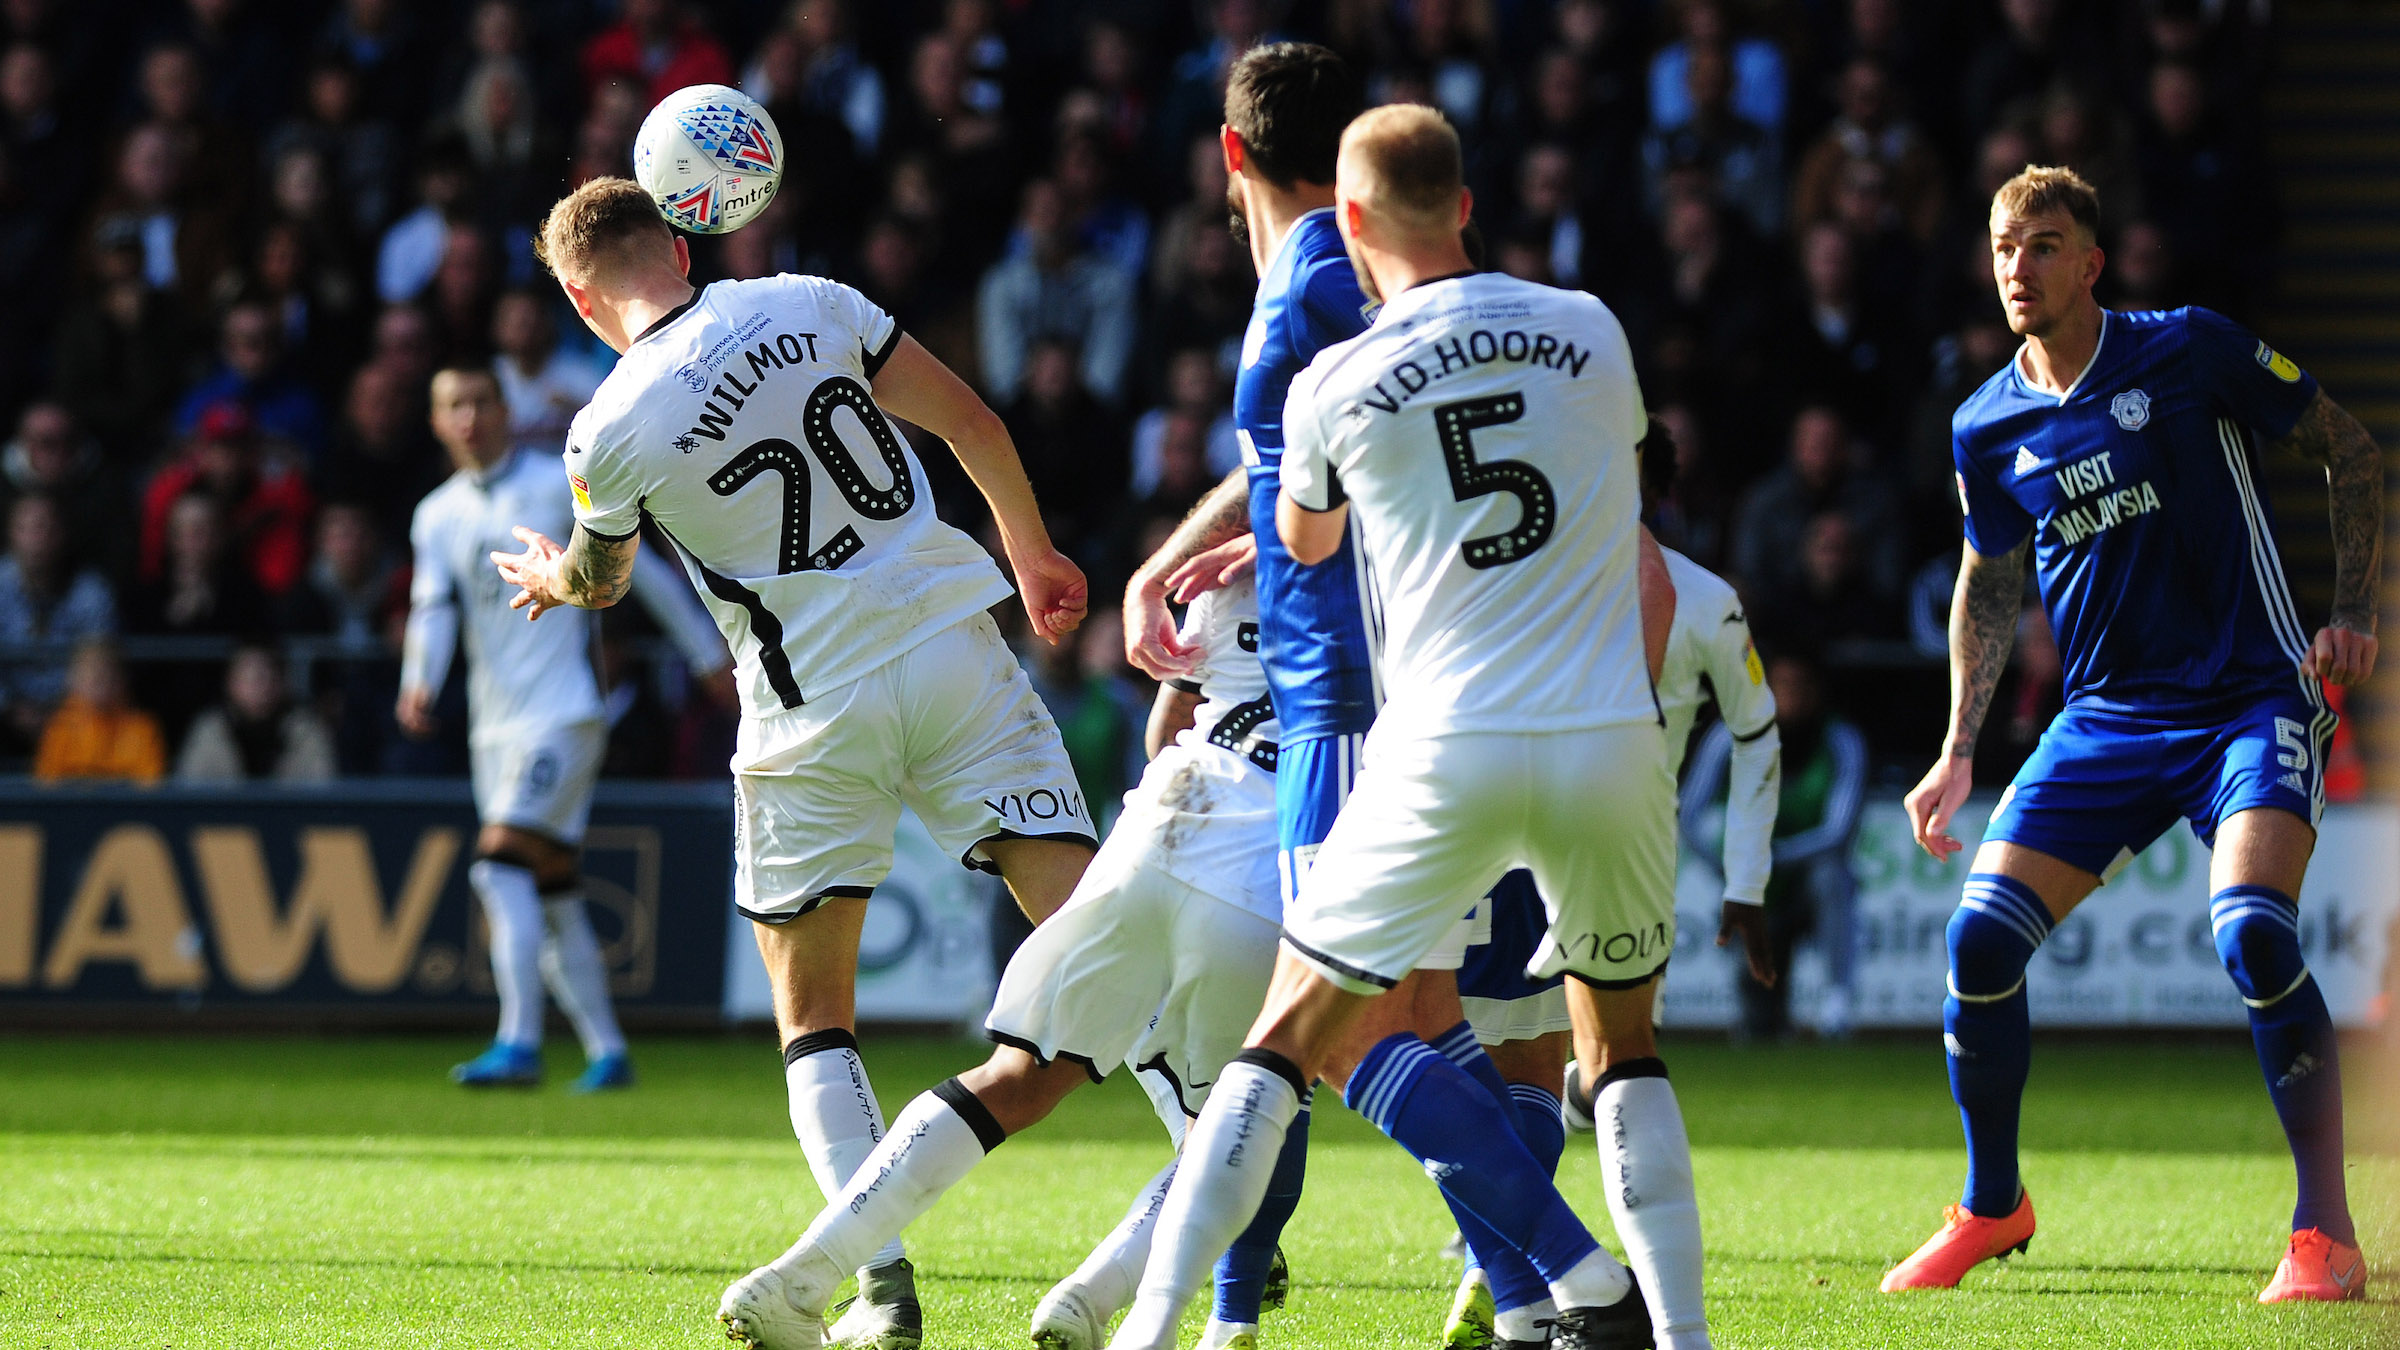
(595, 573)
(1222, 515)
(1983, 624)
(2353, 464)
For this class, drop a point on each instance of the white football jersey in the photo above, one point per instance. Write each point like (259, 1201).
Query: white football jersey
(744, 426)
(1709, 654)
(1235, 713)
(1218, 776)
(1483, 433)
(519, 674)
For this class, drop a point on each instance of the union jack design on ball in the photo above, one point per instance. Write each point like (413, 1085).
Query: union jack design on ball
(730, 136)
(697, 207)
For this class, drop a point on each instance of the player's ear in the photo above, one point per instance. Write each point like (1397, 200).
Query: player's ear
(2094, 263)
(683, 256)
(1466, 206)
(578, 296)
(1230, 141)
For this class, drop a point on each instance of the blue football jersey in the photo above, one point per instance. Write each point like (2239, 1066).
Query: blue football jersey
(2151, 538)
(1312, 621)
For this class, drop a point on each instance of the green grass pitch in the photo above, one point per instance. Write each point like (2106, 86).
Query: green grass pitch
(222, 1192)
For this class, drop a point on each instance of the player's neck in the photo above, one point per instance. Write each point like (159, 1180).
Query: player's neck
(640, 309)
(2054, 361)
(1272, 212)
(1395, 271)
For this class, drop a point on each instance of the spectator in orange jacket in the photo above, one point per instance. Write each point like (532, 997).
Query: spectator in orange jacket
(266, 501)
(96, 734)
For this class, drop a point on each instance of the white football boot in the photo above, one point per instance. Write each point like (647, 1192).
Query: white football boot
(1229, 1336)
(759, 1311)
(1067, 1319)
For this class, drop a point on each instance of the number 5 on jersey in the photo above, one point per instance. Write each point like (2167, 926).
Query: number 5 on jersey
(782, 458)
(1471, 478)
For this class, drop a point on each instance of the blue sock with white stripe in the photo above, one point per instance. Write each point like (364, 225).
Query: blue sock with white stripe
(1514, 1282)
(1445, 1119)
(2258, 936)
(1539, 1124)
(1988, 1032)
(1242, 1270)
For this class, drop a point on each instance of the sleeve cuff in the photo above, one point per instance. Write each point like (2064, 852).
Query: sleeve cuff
(1184, 686)
(875, 359)
(604, 536)
(1335, 498)
(1745, 737)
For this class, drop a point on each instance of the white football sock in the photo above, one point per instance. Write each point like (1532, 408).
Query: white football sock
(1227, 1159)
(512, 912)
(1646, 1160)
(931, 1146)
(577, 977)
(1526, 1323)
(834, 1114)
(1596, 1281)
(1110, 1274)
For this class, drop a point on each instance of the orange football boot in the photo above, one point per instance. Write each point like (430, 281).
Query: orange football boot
(2317, 1269)
(1966, 1241)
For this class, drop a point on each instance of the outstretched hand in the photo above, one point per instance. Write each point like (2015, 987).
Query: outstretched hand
(1153, 645)
(534, 572)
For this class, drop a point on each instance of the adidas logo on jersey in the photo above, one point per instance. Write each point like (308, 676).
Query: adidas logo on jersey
(2026, 463)
(2293, 781)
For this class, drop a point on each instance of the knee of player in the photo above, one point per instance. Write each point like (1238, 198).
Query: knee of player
(1989, 950)
(2258, 939)
(1019, 1090)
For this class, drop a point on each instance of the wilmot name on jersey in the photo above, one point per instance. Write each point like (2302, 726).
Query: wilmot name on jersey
(1445, 357)
(729, 391)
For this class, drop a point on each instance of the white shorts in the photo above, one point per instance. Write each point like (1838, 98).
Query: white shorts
(1434, 817)
(1139, 969)
(951, 728)
(1518, 1019)
(539, 778)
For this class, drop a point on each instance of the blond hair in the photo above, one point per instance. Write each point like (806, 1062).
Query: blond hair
(1409, 165)
(590, 225)
(2043, 189)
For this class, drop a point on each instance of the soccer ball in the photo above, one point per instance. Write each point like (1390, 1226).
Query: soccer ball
(710, 157)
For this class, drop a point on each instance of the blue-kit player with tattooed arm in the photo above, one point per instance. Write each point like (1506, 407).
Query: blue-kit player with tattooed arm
(2118, 454)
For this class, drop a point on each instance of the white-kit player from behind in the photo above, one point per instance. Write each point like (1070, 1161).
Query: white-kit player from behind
(536, 729)
(1159, 961)
(747, 423)
(1482, 433)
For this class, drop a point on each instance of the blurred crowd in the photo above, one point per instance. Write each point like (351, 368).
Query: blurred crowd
(236, 236)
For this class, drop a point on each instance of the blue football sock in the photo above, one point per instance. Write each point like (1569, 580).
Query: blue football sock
(1242, 1270)
(1539, 1124)
(1988, 1032)
(2258, 936)
(1514, 1282)
(1445, 1119)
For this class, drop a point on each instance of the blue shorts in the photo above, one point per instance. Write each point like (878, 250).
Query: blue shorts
(2102, 786)
(1312, 779)
(1495, 970)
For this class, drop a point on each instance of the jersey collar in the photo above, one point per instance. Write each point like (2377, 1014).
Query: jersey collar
(670, 316)
(2016, 366)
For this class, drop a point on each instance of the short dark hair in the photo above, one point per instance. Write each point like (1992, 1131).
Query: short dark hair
(1289, 101)
(467, 370)
(1658, 455)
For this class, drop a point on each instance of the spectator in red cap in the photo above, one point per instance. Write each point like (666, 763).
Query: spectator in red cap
(266, 501)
